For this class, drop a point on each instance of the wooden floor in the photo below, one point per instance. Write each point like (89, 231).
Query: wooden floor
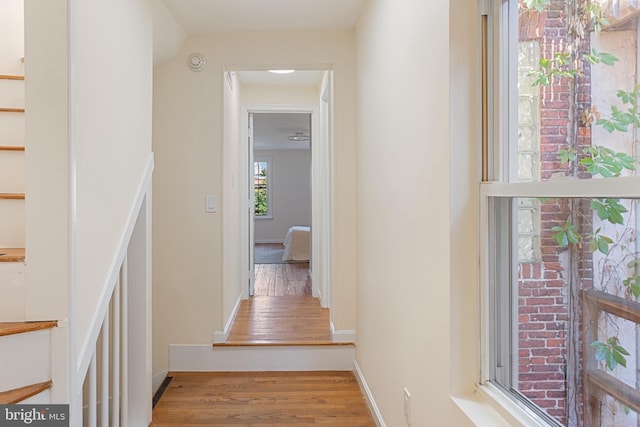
(262, 399)
(282, 279)
(285, 320)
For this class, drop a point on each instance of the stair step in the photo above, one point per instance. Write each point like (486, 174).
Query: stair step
(12, 172)
(17, 395)
(11, 148)
(12, 196)
(10, 77)
(287, 343)
(11, 110)
(13, 129)
(11, 328)
(12, 254)
(26, 356)
(13, 224)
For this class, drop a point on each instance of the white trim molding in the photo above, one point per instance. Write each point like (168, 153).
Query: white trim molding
(368, 395)
(343, 335)
(221, 336)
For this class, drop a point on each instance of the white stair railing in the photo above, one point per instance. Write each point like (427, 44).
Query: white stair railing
(105, 384)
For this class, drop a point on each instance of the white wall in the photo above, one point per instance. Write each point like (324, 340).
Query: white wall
(111, 125)
(264, 94)
(47, 156)
(291, 193)
(188, 146)
(404, 243)
(12, 36)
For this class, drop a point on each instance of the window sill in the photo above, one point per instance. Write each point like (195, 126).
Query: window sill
(263, 217)
(489, 407)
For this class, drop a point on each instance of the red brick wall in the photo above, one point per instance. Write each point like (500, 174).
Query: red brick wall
(543, 318)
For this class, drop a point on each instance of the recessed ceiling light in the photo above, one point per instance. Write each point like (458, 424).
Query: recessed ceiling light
(282, 71)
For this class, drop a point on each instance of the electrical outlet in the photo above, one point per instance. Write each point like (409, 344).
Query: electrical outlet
(406, 398)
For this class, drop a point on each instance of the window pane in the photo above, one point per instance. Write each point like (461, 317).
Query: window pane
(576, 90)
(570, 308)
(261, 188)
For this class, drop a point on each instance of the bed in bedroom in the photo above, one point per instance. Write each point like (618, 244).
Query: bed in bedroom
(297, 244)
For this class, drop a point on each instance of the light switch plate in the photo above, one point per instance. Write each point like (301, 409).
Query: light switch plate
(211, 204)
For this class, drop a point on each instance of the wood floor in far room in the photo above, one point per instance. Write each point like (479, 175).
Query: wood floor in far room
(262, 399)
(282, 279)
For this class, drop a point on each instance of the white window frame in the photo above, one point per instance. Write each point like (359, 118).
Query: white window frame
(503, 183)
(269, 161)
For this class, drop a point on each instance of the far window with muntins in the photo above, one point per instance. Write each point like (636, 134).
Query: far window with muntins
(262, 187)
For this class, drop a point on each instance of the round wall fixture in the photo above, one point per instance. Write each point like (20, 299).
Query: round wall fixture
(196, 62)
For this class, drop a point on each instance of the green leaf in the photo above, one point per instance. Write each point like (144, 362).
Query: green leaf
(567, 155)
(607, 58)
(620, 350)
(619, 358)
(603, 246)
(538, 4)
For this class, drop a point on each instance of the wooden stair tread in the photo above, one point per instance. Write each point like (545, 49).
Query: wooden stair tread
(11, 148)
(12, 328)
(17, 395)
(12, 196)
(285, 343)
(10, 77)
(11, 110)
(12, 254)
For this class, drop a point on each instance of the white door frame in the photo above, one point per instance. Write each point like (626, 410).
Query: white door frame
(319, 259)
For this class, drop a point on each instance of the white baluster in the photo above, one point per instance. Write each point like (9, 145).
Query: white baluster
(115, 407)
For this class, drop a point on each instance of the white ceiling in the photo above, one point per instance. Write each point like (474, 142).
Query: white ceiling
(271, 130)
(206, 16)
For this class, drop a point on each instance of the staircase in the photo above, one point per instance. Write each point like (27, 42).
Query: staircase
(25, 371)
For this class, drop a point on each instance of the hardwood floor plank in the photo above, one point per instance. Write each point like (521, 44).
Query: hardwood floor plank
(262, 399)
(280, 319)
(284, 279)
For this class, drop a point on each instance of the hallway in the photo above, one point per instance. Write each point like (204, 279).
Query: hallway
(255, 399)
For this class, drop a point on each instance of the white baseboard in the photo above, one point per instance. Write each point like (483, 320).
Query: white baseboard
(373, 407)
(343, 335)
(221, 336)
(269, 241)
(207, 358)
(157, 380)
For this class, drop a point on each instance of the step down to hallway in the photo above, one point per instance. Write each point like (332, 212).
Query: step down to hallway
(12, 328)
(18, 395)
(207, 358)
(284, 333)
(12, 254)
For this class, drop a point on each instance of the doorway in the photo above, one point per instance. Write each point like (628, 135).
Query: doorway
(281, 188)
(251, 96)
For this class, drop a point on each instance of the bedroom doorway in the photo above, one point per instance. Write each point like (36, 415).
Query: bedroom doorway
(281, 189)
